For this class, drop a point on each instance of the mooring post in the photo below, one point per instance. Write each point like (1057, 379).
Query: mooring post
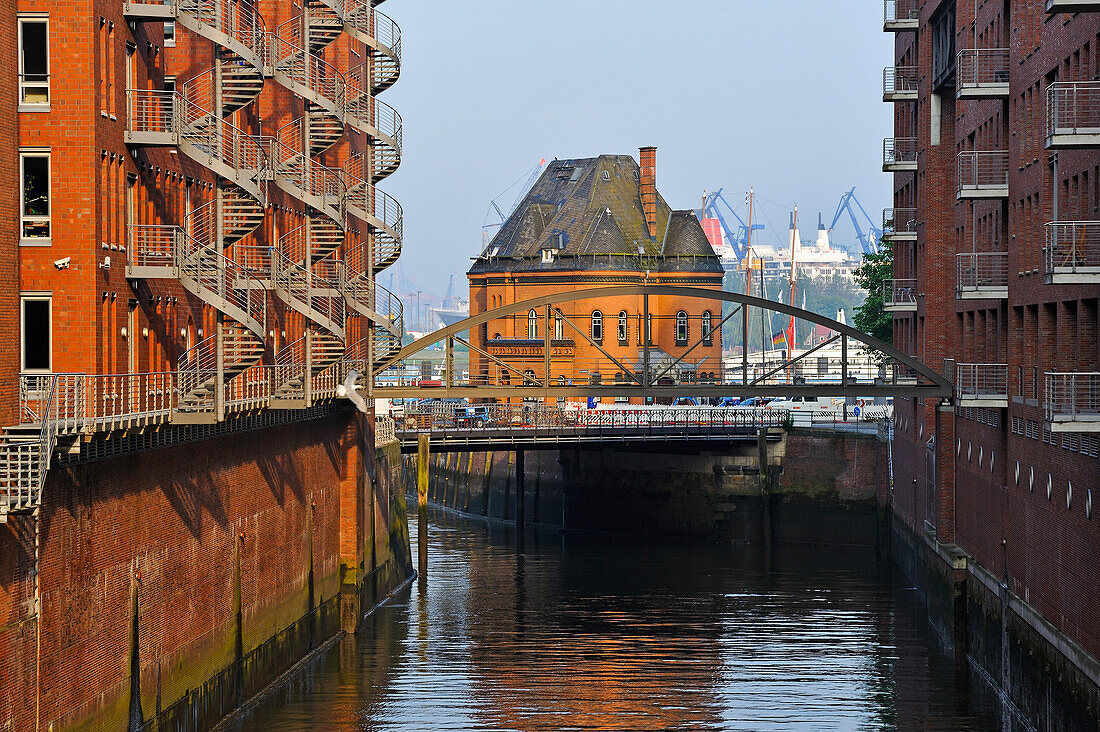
(765, 493)
(520, 490)
(422, 505)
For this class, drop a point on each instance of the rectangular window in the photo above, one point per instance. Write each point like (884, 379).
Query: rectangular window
(34, 169)
(169, 33)
(36, 333)
(34, 62)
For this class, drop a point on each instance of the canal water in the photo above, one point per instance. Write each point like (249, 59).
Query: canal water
(598, 632)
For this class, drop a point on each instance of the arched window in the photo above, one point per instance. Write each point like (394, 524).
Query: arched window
(505, 377)
(532, 324)
(559, 330)
(496, 336)
(561, 381)
(597, 325)
(681, 326)
(529, 377)
(623, 332)
(706, 325)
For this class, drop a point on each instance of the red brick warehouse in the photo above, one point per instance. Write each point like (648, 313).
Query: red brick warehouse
(996, 163)
(191, 235)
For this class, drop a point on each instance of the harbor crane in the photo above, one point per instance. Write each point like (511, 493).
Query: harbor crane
(740, 240)
(528, 180)
(868, 243)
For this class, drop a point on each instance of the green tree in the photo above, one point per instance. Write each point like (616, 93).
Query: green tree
(872, 273)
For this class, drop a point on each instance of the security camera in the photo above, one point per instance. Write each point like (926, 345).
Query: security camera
(62, 263)
(106, 263)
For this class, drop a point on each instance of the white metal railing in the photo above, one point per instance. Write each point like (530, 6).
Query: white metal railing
(897, 150)
(899, 292)
(981, 271)
(1073, 108)
(899, 221)
(1072, 246)
(1072, 395)
(251, 389)
(981, 380)
(899, 79)
(151, 111)
(982, 169)
(895, 10)
(981, 67)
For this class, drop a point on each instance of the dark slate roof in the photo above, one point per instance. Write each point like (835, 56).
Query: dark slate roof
(590, 210)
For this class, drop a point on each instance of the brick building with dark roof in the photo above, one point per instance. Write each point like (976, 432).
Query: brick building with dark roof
(587, 223)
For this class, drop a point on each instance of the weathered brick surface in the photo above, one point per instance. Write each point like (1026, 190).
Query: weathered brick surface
(172, 527)
(983, 502)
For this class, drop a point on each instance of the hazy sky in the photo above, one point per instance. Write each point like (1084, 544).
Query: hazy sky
(783, 95)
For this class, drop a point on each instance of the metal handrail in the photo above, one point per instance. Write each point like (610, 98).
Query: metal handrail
(978, 169)
(977, 67)
(1072, 246)
(896, 79)
(981, 270)
(1073, 107)
(981, 380)
(899, 292)
(899, 150)
(899, 220)
(1073, 395)
(894, 10)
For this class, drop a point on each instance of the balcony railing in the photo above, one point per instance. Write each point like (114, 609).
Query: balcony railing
(1072, 401)
(899, 154)
(1072, 252)
(981, 385)
(900, 15)
(899, 224)
(981, 275)
(1073, 114)
(983, 174)
(899, 83)
(1072, 6)
(982, 73)
(899, 295)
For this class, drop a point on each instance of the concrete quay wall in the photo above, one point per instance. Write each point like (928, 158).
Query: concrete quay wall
(818, 488)
(174, 584)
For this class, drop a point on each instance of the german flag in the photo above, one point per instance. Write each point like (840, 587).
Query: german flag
(779, 339)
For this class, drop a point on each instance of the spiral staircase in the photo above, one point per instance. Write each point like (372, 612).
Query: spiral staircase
(306, 270)
(194, 120)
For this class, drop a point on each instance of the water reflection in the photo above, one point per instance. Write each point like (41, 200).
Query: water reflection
(589, 632)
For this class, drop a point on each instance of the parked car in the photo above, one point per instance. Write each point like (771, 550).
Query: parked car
(804, 404)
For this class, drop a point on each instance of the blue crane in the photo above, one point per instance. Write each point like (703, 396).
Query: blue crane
(738, 241)
(869, 244)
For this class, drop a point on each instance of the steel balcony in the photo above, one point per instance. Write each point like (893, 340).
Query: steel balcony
(1071, 401)
(900, 15)
(899, 224)
(982, 73)
(899, 296)
(981, 385)
(899, 84)
(1073, 114)
(1072, 252)
(982, 174)
(899, 155)
(981, 276)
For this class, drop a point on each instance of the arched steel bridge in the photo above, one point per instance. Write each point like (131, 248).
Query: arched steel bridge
(898, 374)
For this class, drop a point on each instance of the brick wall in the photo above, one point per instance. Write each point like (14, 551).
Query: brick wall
(985, 464)
(188, 535)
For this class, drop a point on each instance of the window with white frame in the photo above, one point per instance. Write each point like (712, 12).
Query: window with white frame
(681, 326)
(559, 329)
(36, 337)
(706, 325)
(34, 62)
(34, 171)
(532, 325)
(623, 331)
(169, 33)
(597, 326)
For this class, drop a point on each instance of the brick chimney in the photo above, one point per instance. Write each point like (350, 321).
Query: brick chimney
(647, 187)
